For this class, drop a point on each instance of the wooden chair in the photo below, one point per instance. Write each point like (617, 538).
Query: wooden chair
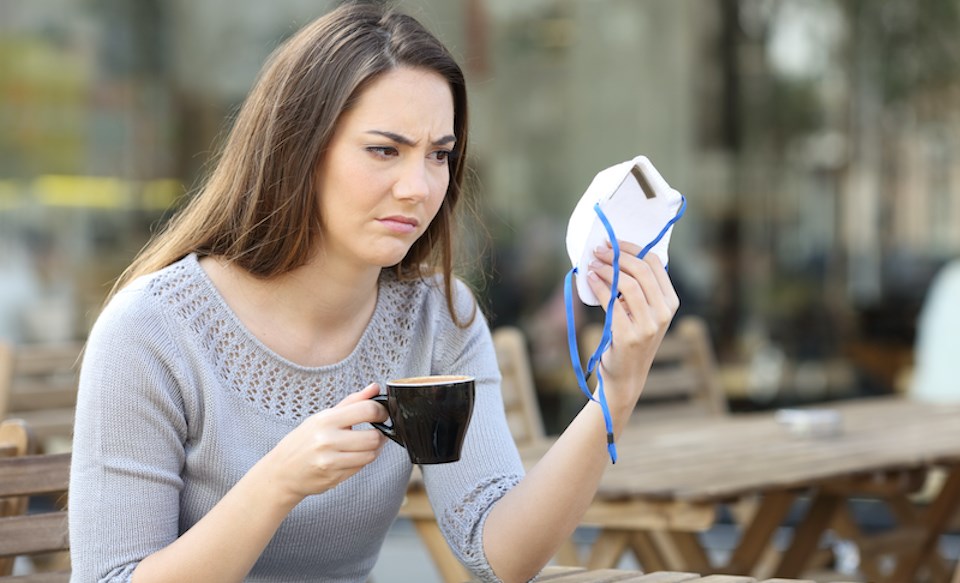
(519, 393)
(21, 476)
(14, 441)
(38, 383)
(684, 379)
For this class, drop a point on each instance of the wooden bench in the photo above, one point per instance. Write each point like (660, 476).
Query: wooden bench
(581, 575)
(14, 441)
(24, 532)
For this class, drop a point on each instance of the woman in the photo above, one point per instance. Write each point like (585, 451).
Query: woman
(225, 390)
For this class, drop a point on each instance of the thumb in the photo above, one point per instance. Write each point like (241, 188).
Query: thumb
(368, 392)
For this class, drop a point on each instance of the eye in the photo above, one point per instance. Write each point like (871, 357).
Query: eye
(382, 151)
(442, 156)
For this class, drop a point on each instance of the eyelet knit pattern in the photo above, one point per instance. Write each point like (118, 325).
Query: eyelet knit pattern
(269, 382)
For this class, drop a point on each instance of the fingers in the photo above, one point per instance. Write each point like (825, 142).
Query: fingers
(351, 461)
(324, 449)
(348, 440)
(357, 408)
(644, 286)
(364, 394)
(332, 437)
(629, 257)
(655, 290)
(601, 288)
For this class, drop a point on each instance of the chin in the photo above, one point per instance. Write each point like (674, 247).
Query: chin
(385, 260)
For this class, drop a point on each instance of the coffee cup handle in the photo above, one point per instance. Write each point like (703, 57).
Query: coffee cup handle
(387, 430)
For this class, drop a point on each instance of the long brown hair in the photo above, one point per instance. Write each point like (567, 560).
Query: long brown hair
(258, 209)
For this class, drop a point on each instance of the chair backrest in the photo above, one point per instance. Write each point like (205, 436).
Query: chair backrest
(6, 377)
(683, 379)
(23, 476)
(519, 394)
(15, 440)
(38, 383)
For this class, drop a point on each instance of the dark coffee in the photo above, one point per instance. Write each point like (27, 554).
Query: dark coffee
(429, 415)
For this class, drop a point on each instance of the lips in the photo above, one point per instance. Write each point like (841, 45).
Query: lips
(399, 224)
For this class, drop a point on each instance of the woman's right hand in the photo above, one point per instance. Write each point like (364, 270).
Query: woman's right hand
(324, 450)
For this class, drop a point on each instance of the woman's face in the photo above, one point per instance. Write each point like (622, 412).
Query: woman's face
(386, 171)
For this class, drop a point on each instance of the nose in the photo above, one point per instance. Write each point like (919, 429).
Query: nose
(413, 183)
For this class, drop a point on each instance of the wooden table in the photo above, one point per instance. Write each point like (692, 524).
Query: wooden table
(673, 475)
(580, 575)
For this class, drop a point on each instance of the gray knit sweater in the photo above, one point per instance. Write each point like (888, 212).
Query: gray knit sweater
(178, 400)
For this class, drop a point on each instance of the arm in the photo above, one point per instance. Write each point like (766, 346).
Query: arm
(322, 452)
(134, 418)
(568, 475)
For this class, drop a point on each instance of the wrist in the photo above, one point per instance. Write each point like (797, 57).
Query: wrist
(267, 485)
(621, 394)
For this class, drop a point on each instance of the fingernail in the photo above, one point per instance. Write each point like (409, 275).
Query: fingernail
(601, 250)
(593, 275)
(595, 264)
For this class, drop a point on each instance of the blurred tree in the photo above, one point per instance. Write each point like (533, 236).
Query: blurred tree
(914, 48)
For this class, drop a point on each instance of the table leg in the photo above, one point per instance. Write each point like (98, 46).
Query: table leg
(807, 535)
(645, 548)
(694, 558)
(907, 513)
(568, 555)
(607, 549)
(846, 527)
(451, 571)
(757, 534)
(938, 516)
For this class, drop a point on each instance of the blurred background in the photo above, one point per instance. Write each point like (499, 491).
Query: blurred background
(816, 141)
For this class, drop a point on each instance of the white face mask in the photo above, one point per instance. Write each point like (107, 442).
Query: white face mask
(627, 202)
(639, 205)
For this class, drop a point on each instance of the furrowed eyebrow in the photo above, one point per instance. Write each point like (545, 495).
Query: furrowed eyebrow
(449, 139)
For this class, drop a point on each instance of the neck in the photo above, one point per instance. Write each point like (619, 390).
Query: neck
(325, 297)
(313, 315)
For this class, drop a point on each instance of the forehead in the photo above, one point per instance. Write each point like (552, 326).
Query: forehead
(405, 100)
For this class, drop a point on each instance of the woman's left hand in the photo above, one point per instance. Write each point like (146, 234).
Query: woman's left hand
(641, 316)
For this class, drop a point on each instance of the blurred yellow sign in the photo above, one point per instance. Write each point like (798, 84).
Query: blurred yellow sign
(92, 192)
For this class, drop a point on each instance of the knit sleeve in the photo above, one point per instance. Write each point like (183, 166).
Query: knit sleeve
(129, 439)
(462, 493)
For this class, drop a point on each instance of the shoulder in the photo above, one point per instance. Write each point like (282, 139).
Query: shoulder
(139, 313)
(144, 296)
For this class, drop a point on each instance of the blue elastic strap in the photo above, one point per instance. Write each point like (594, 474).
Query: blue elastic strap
(605, 338)
(683, 208)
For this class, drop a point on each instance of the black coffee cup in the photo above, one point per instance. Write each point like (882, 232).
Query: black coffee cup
(429, 415)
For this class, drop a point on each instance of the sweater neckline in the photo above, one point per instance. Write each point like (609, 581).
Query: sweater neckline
(237, 325)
